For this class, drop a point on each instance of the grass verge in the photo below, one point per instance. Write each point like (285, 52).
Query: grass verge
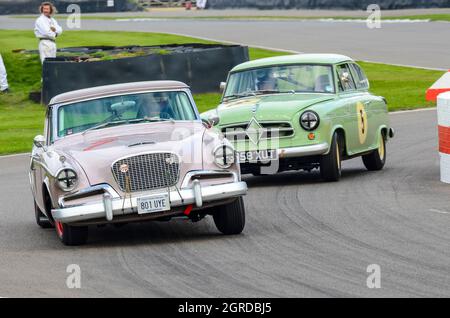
(21, 119)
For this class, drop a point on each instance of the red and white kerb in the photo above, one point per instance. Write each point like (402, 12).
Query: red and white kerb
(441, 86)
(443, 110)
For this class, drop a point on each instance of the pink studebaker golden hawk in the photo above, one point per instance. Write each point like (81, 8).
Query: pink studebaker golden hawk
(128, 153)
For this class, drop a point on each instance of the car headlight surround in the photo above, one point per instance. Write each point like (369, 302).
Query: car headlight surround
(224, 156)
(309, 120)
(67, 179)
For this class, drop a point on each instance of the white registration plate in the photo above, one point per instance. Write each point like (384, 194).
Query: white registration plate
(258, 156)
(153, 204)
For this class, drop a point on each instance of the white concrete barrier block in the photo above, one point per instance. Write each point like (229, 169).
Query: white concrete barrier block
(444, 106)
(445, 167)
(443, 99)
(443, 118)
(443, 109)
(445, 176)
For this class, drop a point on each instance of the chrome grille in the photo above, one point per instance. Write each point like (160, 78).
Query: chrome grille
(280, 129)
(147, 172)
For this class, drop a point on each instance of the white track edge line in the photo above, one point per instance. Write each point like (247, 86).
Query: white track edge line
(439, 211)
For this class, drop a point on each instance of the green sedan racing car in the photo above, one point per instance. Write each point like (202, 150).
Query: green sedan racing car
(302, 112)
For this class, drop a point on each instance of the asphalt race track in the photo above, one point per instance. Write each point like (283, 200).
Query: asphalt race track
(303, 237)
(416, 44)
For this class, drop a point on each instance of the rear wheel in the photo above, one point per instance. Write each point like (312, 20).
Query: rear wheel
(71, 235)
(41, 219)
(230, 218)
(376, 159)
(330, 164)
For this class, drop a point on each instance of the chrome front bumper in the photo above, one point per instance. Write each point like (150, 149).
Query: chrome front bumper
(304, 151)
(113, 205)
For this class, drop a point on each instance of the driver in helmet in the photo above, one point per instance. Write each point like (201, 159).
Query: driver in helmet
(155, 105)
(266, 81)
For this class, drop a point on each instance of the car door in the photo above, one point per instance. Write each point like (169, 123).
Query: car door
(371, 106)
(356, 126)
(37, 166)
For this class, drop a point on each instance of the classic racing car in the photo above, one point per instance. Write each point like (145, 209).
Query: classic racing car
(302, 112)
(132, 152)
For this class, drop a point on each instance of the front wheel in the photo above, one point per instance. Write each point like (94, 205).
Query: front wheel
(71, 235)
(375, 160)
(230, 218)
(330, 164)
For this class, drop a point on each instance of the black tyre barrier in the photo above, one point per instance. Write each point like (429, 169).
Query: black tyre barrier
(32, 6)
(327, 4)
(200, 66)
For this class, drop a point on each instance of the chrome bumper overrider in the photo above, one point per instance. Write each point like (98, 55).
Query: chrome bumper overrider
(304, 151)
(113, 205)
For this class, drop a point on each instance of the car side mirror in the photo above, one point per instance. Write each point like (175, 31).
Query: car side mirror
(222, 86)
(213, 120)
(39, 141)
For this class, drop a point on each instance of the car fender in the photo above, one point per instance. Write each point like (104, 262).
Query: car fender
(337, 127)
(46, 186)
(380, 129)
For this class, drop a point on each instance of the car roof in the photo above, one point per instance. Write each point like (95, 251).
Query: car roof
(116, 89)
(294, 59)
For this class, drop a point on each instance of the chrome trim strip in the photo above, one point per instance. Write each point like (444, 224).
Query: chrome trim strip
(197, 187)
(241, 131)
(97, 210)
(192, 174)
(262, 122)
(106, 188)
(107, 202)
(304, 151)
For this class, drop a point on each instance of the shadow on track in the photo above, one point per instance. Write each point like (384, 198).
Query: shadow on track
(296, 178)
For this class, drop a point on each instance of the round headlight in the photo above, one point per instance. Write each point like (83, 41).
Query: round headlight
(224, 156)
(309, 120)
(67, 179)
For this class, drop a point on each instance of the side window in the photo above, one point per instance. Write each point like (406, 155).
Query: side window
(345, 77)
(360, 77)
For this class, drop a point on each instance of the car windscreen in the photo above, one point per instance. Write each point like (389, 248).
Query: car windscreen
(306, 78)
(125, 109)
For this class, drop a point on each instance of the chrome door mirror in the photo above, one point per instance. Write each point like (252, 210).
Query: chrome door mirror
(223, 85)
(213, 120)
(39, 141)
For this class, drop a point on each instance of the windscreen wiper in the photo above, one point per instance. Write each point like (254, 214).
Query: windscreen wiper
(104, 125)
(149, 120)
(266, 91)
(129, 121)
(255, 93)
(234, 96)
